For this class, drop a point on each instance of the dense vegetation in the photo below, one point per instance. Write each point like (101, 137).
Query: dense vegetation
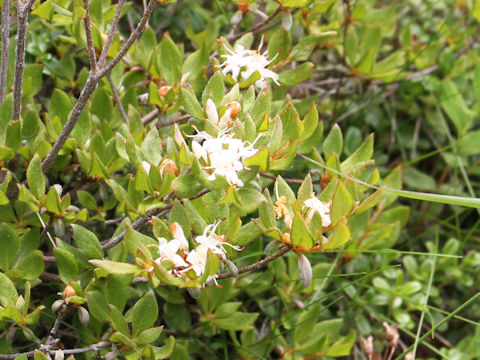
(223, 179)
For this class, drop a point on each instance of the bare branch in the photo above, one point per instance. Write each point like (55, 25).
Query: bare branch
(92, 82)
(22, 27)
(257, 26)
(70, 124)
(257, 265)
(113, 30)
(133, 37)
(88, 33)
(117, 99)
(150, 116)
(95, 347)
(5, 45)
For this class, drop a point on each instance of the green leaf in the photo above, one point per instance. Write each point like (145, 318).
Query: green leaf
(60, 105)
(236, 321)
(87, 241)
(342, 347)
(296, 75)
(32, 265)
(215, 89)
(333, 142)
(117, 320)
(87, 200)
(67, 265)
(97, 305)
(305, 191)
(361, 155)
(9, 245)
(191, 104)
(340, 236)
(149, 336)
(35, 178)
(164, 351)
(144, 313)
(342, 203)
(171, 60)
(260, 159)
(300, 235)
(38, 355)
(115, 268)
(8, 293)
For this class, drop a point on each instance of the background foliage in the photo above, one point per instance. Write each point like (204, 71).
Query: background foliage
(370, 92)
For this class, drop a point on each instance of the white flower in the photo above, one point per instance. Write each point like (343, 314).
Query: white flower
(197, 261)
(210, 241)
(168, 251)
(317, 206)
(212, 114)
(179, 235)
(250, 61)
(225, 155)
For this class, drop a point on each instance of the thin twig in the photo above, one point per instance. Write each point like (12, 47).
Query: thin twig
(22, 14)
(53, 331)
(257, 26)
(92, 82)
(5, 45)
(113, 30)
(88, 33)
(168, 17)
(133, 37)
(117, 99)
(152, 115)
(257, 265)
(95, 347)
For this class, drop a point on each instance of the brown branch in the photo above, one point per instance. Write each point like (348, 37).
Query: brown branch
(257, 26)
(92, 82)
(90, 44)
(257, 265)
(5, 45)
(113, 29)
(152, 115)
(22, 26)
(117, 99)
(133, 37)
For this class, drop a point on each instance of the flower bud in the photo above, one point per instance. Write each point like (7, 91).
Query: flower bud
(232, 267)
(59, 227)
(168, 166)
(58, 188)
(68, 292)
(59, 355)
(305, 270)
(83, 315)
(236, 108)
(287, 20)
(211, 111)
(57, 304)
(409, 356)
(391, 334)
(368, 346)
(194, 292)
(272, 246)
(243, 6)
(236, 18)
(164, 90)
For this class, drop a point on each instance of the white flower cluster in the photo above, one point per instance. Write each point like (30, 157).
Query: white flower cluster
(177, 252)
(245, 62)
(224, 154)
